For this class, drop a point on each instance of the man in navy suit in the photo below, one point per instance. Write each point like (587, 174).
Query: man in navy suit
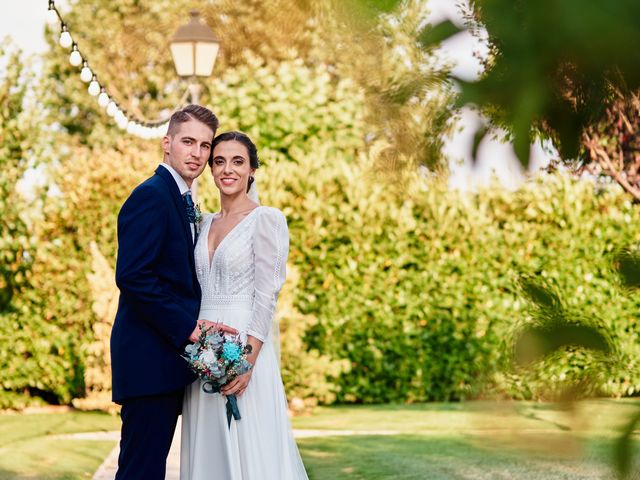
(159, 297)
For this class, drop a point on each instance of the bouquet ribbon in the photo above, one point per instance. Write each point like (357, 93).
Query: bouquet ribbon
(232, 409)
(232, 401)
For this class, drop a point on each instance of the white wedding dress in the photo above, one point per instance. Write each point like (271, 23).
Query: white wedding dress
(240, 288)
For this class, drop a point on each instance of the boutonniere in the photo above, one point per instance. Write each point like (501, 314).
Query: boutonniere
(197, 217)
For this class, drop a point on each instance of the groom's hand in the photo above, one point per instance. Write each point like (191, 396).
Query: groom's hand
(203, 324)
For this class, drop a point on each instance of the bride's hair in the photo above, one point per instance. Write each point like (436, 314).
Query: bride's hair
(244, 140)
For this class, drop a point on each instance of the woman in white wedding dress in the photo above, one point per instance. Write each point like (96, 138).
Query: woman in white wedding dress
(241, 256)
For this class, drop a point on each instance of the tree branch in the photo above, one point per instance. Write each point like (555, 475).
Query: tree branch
(602, 157)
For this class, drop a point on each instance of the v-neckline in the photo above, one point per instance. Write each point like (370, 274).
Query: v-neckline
(211, 256)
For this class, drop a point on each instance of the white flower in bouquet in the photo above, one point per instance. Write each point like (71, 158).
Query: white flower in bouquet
(208, 356)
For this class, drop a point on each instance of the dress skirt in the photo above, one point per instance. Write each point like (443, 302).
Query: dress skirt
(259, 446)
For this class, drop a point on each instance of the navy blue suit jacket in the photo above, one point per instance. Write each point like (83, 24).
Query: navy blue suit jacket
(159, 291)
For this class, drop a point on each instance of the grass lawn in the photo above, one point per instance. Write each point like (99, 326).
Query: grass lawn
(474, 441)
(30, 446)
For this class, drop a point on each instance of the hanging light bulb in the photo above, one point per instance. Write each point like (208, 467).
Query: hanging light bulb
(103, 98)
(94, 87)
(86, 74)
(112, 108)
(75, 58)
(120, 117)
(121, 121)
(131, 127)
(65, 37)
(52, 16)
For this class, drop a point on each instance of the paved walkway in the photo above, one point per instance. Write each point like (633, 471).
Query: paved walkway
(107, 470)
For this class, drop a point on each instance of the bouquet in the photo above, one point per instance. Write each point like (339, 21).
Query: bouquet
(218, 359)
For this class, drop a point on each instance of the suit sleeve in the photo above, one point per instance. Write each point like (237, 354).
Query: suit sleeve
(271, 247)
(142, 230)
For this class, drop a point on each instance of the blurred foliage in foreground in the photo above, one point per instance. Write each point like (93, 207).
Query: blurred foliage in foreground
(555, 330)
(567, 71)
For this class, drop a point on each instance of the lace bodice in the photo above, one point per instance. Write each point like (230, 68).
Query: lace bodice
(249, 265)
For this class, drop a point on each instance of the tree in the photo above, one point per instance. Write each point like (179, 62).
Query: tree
(41, 361)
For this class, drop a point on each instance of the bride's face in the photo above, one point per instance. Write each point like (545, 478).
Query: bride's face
(231, 168)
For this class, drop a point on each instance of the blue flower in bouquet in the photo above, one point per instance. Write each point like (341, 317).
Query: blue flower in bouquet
(217, 370)
(215, 339)
(191, 350)
(231, 352)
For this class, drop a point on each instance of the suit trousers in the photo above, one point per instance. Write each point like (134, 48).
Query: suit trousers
(148, 425)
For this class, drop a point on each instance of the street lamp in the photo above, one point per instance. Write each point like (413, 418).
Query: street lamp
(194, 48)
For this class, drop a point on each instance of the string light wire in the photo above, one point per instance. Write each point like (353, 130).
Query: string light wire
(140, 128)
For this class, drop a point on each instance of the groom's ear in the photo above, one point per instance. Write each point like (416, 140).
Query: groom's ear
(166, 143)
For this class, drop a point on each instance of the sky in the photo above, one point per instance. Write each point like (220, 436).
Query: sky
(24, 22)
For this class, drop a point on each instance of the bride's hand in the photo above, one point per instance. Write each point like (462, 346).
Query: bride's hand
(202, 324)
(238, 385)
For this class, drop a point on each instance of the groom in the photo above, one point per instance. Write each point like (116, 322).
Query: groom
(159, 297)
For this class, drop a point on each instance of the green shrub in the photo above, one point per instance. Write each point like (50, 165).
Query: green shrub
(415, 286)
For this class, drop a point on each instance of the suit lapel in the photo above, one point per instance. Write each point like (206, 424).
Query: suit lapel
(182, 212)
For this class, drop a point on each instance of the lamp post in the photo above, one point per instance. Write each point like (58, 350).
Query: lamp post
(194, 49)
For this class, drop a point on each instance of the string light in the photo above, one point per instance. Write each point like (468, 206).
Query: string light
(146, 130)
(52, 15)
(94, 87)
(103, 98)
(65, 37)
(75, 58)
(112, 108)
(86, 74)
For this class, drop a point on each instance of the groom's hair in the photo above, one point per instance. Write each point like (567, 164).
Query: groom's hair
(193, 112)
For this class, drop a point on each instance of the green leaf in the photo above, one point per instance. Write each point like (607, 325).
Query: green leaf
(535, 343)
(539, 294)
(431, 36)
(623, 448)
(627, 265)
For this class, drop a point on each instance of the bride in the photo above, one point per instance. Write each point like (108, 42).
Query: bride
(241, 256)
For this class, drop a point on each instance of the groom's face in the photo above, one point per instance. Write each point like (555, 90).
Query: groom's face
(187, 149)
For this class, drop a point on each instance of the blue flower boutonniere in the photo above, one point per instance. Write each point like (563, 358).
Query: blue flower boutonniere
(197, 217)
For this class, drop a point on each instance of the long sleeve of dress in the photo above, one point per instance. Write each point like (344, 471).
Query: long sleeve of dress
(271, 248)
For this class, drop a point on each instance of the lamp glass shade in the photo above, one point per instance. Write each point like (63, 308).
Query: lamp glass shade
(206, 53)
(194, 48)
(182, 53)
